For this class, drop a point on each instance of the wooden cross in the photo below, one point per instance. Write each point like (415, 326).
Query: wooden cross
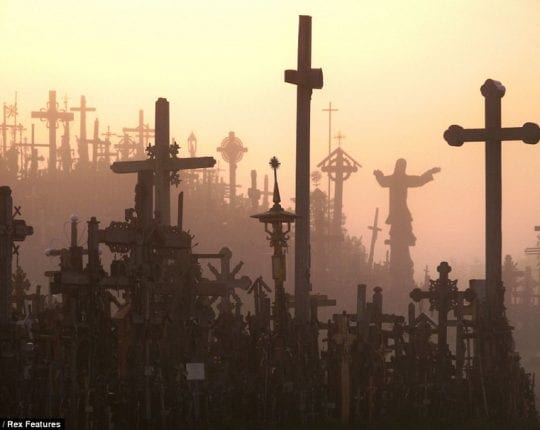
(232, 150)
(143, 130)
(52, 115)
(253, 193)
(339, 137)
(83, 143)
(374, 233)
(492, 135)
(329, 110)
(163, 160)
(11, 230)
(344, 338)
(306, 79)
(339, 165)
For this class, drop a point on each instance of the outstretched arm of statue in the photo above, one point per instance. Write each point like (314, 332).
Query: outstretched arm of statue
(384, 181)
(418, 181)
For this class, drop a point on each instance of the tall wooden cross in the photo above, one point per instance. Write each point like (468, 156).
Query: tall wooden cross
(374, 233)
(52, 115)
(306, 79)
(83, 143)
(339, 166)
(11, 230)
(254, 194)
(492, 135)
(143, 131)
(163, 160)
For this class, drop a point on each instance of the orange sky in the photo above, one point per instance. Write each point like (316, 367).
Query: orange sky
(399, 73)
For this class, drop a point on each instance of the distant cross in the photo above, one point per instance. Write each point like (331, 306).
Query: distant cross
(374, 233)
(11, 230)
(266, 193)
(492, 135)
(339, 137)
(329, 110)
(306, 79)
(232, 150)
(339, 165)
(125, 146)
(162, 162)
(52, 115)
(143, 131)
(83, 143)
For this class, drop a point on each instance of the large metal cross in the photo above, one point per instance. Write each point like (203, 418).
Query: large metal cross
(83, 142)
(492, 135)
(52, 115)
(306, 79)
(162, 162)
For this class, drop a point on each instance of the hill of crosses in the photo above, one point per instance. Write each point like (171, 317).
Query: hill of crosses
(136, 321)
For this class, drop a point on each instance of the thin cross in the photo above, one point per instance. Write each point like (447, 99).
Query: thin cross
(329, 110)
(339, 137)
(83, 142)
(492, 135)
(374, 233)
(52, 115)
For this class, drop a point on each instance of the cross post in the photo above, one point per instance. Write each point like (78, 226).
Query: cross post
(143, 131)
(52, 115)
(306, 79)
(374, 233)
(493, 134)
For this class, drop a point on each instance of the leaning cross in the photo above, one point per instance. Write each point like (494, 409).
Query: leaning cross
(83, 142)
(52, 115)
(162, 162)
(375, 232)
(492, 135)
(306, 79)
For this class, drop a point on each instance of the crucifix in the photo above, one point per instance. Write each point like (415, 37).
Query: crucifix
(83, 143)
(232, 150)
(143, 130)
(493, 134)
(52, 115)
(374, 233)
(329, 110)
(163, 160)
(11, 230)
(306, 79)
(339, 165)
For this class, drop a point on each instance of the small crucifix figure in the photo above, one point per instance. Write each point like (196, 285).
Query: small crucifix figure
(52, 115)
(163, 160)
(493, 134)
(83, 142)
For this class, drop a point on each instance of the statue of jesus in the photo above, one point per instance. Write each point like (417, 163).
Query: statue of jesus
(400, 220)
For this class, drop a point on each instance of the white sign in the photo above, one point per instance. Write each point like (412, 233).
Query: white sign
(195, 371)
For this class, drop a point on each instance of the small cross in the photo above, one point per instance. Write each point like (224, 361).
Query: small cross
(339, 137)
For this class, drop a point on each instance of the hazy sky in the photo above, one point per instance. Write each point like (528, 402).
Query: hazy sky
(400, 72)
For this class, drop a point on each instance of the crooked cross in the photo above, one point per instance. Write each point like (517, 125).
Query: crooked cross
(374, 233)
(493, 134)
(52, 115)
(162, 162)
(83, 142)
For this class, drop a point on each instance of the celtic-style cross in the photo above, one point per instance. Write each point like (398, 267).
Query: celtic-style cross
(232, 150)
